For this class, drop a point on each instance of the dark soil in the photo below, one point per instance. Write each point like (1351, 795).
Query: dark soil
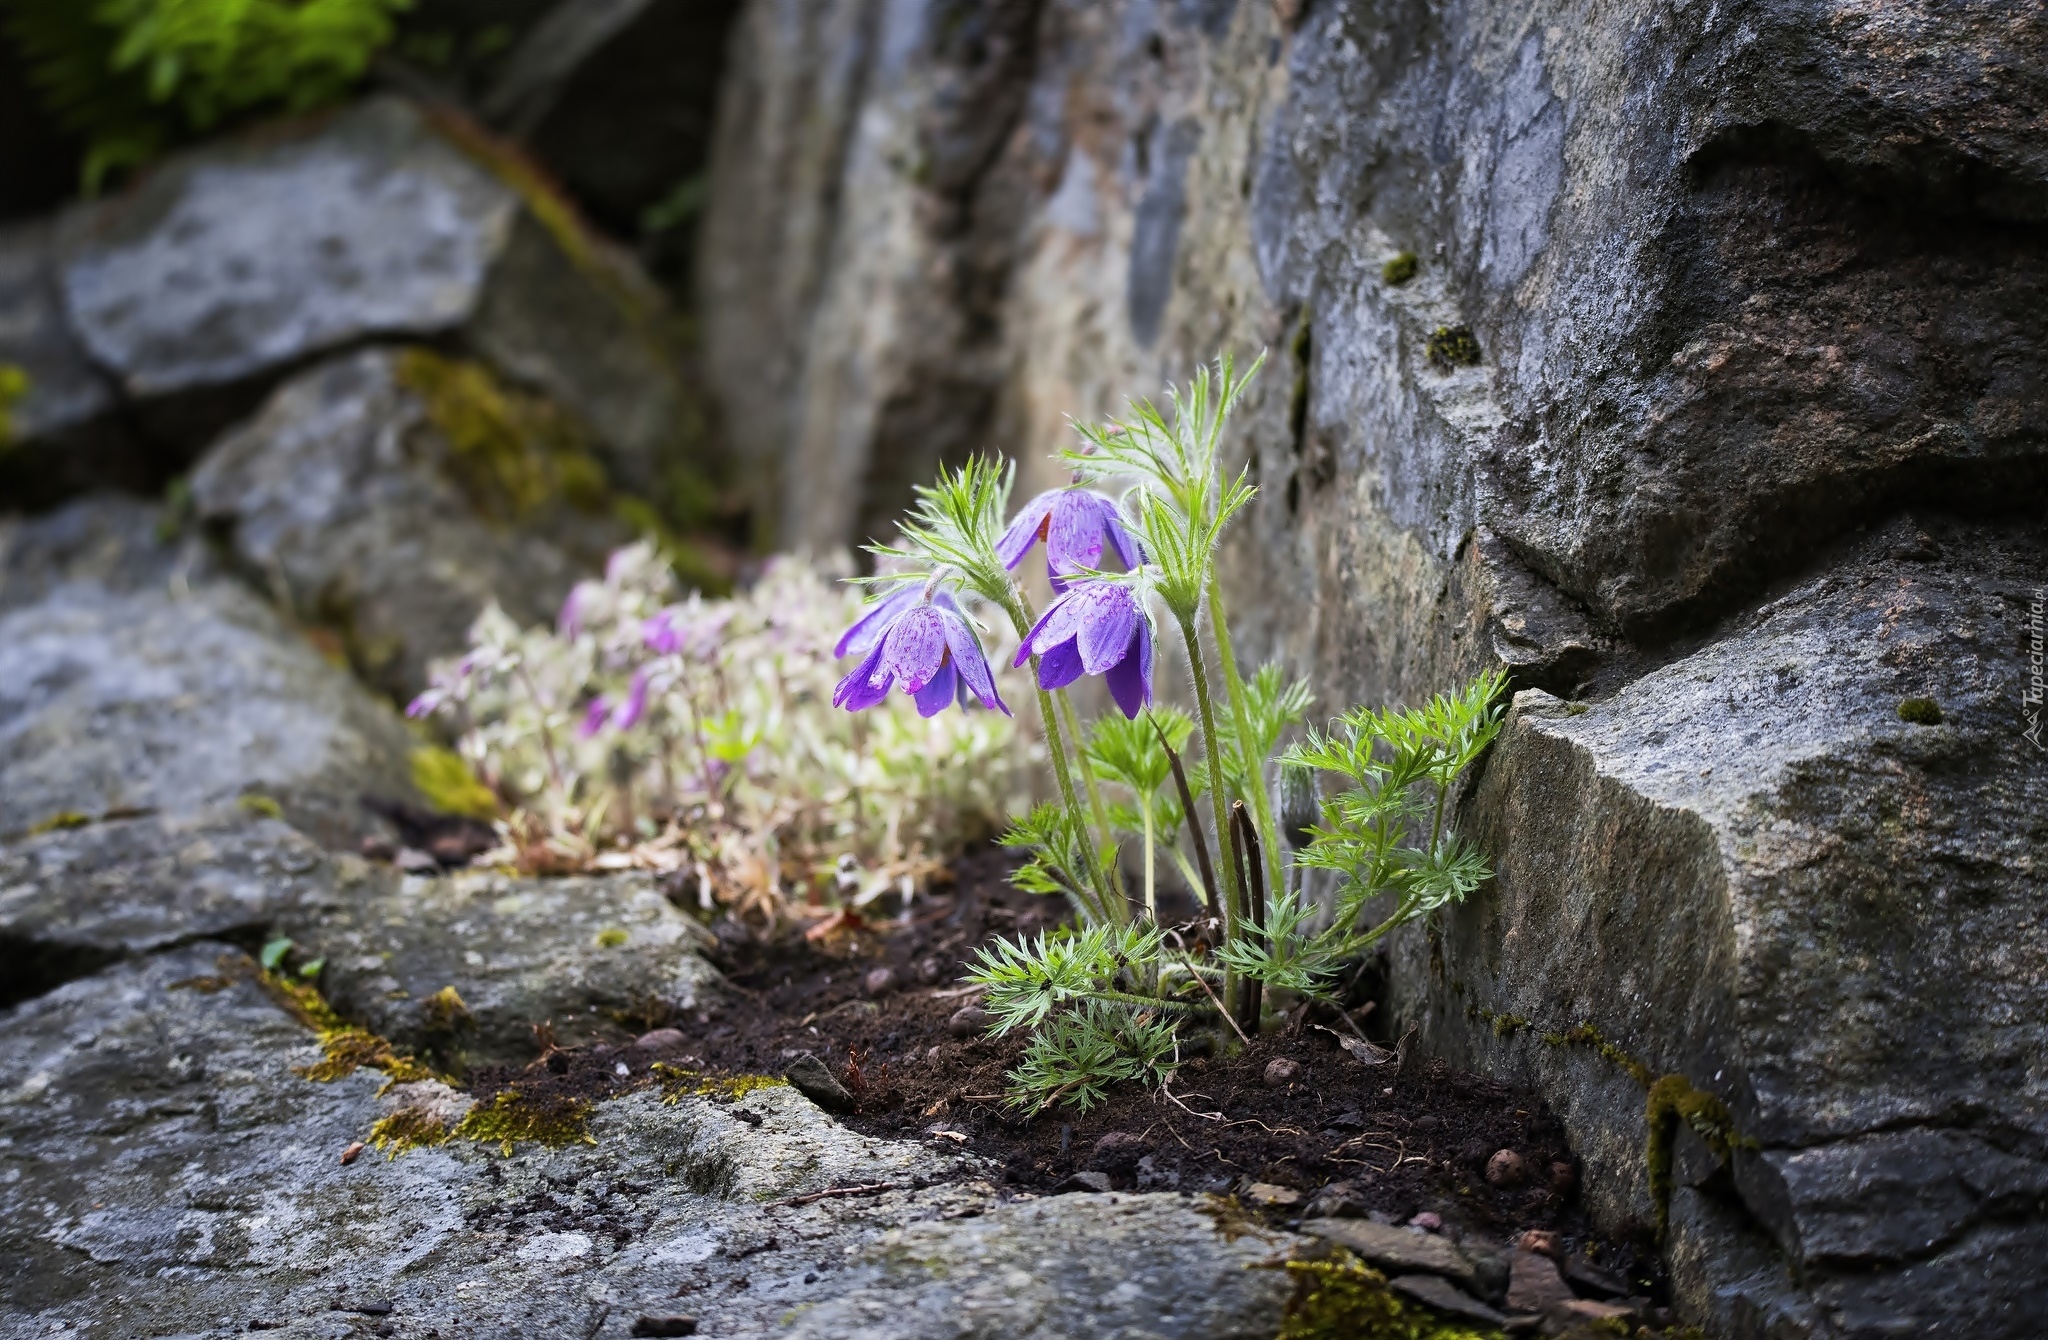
(1401, 1139)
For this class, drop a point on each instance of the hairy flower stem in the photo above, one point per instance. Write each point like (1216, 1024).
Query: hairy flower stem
(1020, 616)
(1225, 839)
(1240, 711)
(1105, 841)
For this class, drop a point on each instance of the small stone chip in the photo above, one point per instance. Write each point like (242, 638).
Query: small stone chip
(1282, 1071)
(1272, 1195)
(1506, 1168)
(352, 1153)
(815, 1081)
(879, 981)
(967, 1021)
(1445, 1297)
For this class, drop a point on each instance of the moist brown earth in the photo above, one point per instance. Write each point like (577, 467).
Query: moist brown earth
(1408, 1137)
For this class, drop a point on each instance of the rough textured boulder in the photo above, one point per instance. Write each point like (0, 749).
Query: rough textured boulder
(390, 494)
(1697, 296)
(127, 685)
(1768, 869)
(229, 266)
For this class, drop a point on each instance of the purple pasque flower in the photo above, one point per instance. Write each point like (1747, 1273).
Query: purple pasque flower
(1075, 523)
(634, 705)
(1095, 628)
(927, 644)
(594, 716)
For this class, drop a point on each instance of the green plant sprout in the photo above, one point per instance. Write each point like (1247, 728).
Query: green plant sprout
(1106, 1001)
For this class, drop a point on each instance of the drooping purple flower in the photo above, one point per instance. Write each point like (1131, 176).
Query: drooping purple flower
(594, 716)
(926, 644)
(1075, 523)
(1095, 628)
(634, 705)
(570, 621)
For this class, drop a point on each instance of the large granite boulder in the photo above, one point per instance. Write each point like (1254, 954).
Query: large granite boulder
(391, 494)
(231, 265)
(130, 682)
(1590, 337)
(1798, 869)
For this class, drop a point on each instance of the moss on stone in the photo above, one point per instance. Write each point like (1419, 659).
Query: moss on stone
(1342, 1298)
(409, 1128)
(345, 1048)
(14, 386)
(678, 1083)
(611, 937)
(1585, 1035)
(261, 805)
(444, 779)
(1920, 711)
(1673, 1099)
(509, 451)
(1401, 269)
(444, 1011)
(60, 822)
(1451, 347)
(512, 1116)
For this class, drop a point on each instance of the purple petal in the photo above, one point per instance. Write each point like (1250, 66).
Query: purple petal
(972, 663)
(1128, 550)
(914, 648)
(934, 697)
(1073, 538)
(1058, 625)
(871, 626)
(1105, 626)
(1024, 530)
(594, 717)
(634, 707)
(422, 705)
(1130, 679)
(660, 633)
(858, 689)
(570, 620)
(1059, 667)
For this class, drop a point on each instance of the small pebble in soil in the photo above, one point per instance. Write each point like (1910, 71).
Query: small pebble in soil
(660, 1040)
(1272, 1196)
(1428, 1220)
(1086, 1180)
(1282, 1071)
(1118, 1153)
(929, 971)
(1541, 1241)
(1507, 1168)
(352, 1153)
(1563, 1177)
(1426, 1123)
(815, 1081)
(968, 1021)
(879, 981)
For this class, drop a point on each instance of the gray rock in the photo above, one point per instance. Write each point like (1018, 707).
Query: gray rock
(118, 542)
(1079, 1267)
(1706, 867)
(1445, 1297)
(815, 1081)
(178, 698)
(599, 958)
(233, 263)
(1534, 1283)
(163, 1171)
(1397, 1250)
(61, 436)
(1088, 1179)
(346, 500)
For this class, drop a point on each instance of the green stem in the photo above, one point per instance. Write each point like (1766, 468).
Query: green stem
(1226, 841)
(1057, 753)
(1148, 1002)
(1105, 841)
(1436, 827)
(1151, 901)
(1240, 710)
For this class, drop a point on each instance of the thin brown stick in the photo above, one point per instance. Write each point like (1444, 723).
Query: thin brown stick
(870, 1189)
(1207, 989)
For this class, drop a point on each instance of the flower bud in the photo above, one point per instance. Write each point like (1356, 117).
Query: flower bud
(1299, 810)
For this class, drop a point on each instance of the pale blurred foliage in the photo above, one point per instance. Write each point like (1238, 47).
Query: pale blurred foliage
(698, 736)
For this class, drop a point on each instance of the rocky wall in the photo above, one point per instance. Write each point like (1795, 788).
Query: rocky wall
(1706, 299)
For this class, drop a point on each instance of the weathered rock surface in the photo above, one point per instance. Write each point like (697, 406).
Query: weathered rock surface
(171, 695)
(163, 1171)
(347, 498)
(64, 420)
(1746, 869)
(231, 265)
(601, 958)
(1742, 284)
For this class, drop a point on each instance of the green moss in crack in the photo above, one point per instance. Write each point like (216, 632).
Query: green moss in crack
(61, 821)
(509, 451)
(1342, 1297)
(1503, 1025)
(13, 390)
(678, 1083)
(447, 783)
(1585, 1035)
(409, 1128)
(1674, 1099)
(1452, 347)
(1400, 270)
(1920, 711)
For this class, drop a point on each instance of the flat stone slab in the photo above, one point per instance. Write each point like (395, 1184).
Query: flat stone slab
(1397, 1250)
(177, 697)
(164, 1172)
(601, 958)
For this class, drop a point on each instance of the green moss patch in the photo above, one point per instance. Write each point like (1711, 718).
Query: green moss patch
(512, 1116)
(1452, 347)
(444, 779)
(678, 1083)
(1400, 270)
(510, 451)
(1920, 711)
(1342, 1298)
(13, 390)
